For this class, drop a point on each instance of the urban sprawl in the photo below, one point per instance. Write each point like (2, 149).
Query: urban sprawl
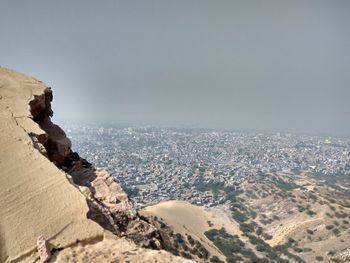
(155, 164)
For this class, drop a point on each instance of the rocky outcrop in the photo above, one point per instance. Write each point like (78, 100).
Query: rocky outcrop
(115, 250)
(57, 145)
(43, 249)
(48, 190)
(36, 198)
(109, 203)
(106, 197)
(110, 206)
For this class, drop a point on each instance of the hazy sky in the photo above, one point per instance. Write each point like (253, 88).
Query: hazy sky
(266, 65)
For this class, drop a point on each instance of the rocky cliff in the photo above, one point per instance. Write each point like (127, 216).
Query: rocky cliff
(54, 206)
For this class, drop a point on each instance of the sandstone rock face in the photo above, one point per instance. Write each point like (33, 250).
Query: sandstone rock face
(111, 208)
(36, 198)
(71, 210)
(112, 250)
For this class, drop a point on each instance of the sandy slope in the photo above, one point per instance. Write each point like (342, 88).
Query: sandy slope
(184, 218)
(36, 198)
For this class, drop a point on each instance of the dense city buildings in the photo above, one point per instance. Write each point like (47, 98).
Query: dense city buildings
(155, 164)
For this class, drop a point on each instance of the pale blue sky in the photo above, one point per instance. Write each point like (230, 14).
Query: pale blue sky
(266, 65)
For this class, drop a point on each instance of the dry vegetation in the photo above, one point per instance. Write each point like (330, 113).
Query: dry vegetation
(286, 218)
(181, 222)
(307, 210)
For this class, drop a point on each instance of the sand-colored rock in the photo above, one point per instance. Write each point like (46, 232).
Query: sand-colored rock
(110, 206)
(104, 185)
(115, 250)
(37, 198)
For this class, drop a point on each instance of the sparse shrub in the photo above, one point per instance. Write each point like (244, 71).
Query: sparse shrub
(332, 208)
(319, 258)
(215, 259)
(267, 236)
(340, 215)
(329, 215)
(265, 221)
(285, 185)
(309, 231)
(336, 231)
(310, 213)
(291, 240)
(253, 214)
(185, 254)
(329, 227)
(275, 217)
(259, 231)
(238, 216)
(332, 200)
(204, 252)
(260, 248)
(336, 260)
(178, 238)
(298, 249)
(301, 209)
(246, 228)
(184, 246)
(190, 240)
(230, 245)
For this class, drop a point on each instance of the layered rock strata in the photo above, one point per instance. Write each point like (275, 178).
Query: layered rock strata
(51, 200)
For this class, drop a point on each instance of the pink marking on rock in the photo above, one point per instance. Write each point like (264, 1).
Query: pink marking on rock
(43, 249)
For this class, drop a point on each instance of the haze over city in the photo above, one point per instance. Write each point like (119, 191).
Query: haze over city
(175, 131)
(262, 65)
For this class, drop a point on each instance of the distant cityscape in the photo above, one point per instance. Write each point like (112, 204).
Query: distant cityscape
(156, 164)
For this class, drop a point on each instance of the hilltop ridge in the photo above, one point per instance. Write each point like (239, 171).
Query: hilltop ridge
(49, 192)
